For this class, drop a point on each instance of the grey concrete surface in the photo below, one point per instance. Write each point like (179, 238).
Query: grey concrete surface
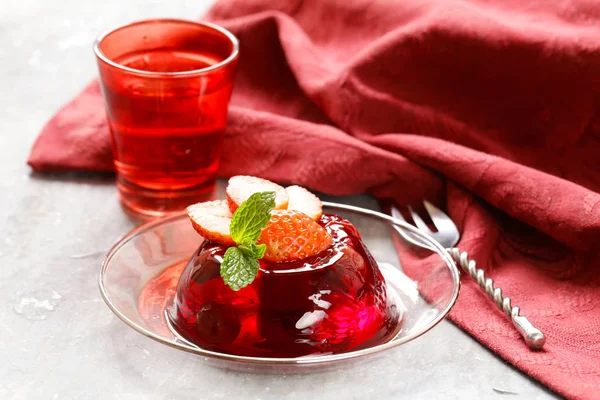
(58, 340)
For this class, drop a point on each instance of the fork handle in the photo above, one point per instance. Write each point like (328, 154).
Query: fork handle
(534, 338)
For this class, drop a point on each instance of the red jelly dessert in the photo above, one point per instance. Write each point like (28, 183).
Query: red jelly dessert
(317, 290)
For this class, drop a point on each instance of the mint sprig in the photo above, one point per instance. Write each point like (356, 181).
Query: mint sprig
(240, 263)
(238, 268)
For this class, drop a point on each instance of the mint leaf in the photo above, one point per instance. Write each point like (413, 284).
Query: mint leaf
(240, 265)
(253, 250)
(251, 217)
(238, 269)
(259, 250)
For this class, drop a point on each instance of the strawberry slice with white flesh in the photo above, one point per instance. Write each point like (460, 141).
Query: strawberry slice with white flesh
(304, 201)
(211, 220)
(241, 187)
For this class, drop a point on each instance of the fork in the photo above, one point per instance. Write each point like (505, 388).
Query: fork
(448, 235)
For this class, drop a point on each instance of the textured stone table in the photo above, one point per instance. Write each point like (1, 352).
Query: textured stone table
(58, 340)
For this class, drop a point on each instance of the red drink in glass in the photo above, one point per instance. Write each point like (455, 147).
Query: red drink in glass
(166, 85)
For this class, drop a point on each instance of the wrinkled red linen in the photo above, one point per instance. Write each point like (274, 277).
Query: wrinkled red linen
(489, 108)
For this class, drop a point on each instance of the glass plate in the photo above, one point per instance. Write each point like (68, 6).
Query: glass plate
(139, 276)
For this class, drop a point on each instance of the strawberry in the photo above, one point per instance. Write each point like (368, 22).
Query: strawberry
(241, 187)
(211, 220)
(304, 201)
(292, 235)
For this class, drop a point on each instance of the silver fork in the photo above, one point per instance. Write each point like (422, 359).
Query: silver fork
(447, 235)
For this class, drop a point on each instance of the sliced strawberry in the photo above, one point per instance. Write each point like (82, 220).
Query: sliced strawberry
(241, 187)
(292, 235)
(304, 201)
(211, 219)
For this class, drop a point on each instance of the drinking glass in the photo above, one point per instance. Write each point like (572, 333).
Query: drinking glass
(166, 85)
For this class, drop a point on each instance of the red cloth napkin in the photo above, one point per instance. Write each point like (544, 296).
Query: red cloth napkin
(490, 108)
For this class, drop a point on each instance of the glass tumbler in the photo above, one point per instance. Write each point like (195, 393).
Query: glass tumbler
(166, 85)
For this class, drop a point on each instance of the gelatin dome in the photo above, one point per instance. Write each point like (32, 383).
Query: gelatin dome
(330, 303)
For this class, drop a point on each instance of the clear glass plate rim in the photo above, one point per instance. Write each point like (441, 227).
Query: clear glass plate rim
(442, 252)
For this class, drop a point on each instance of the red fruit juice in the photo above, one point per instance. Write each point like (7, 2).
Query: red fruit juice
(166, 85)
(330, 303)
(167, 136)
